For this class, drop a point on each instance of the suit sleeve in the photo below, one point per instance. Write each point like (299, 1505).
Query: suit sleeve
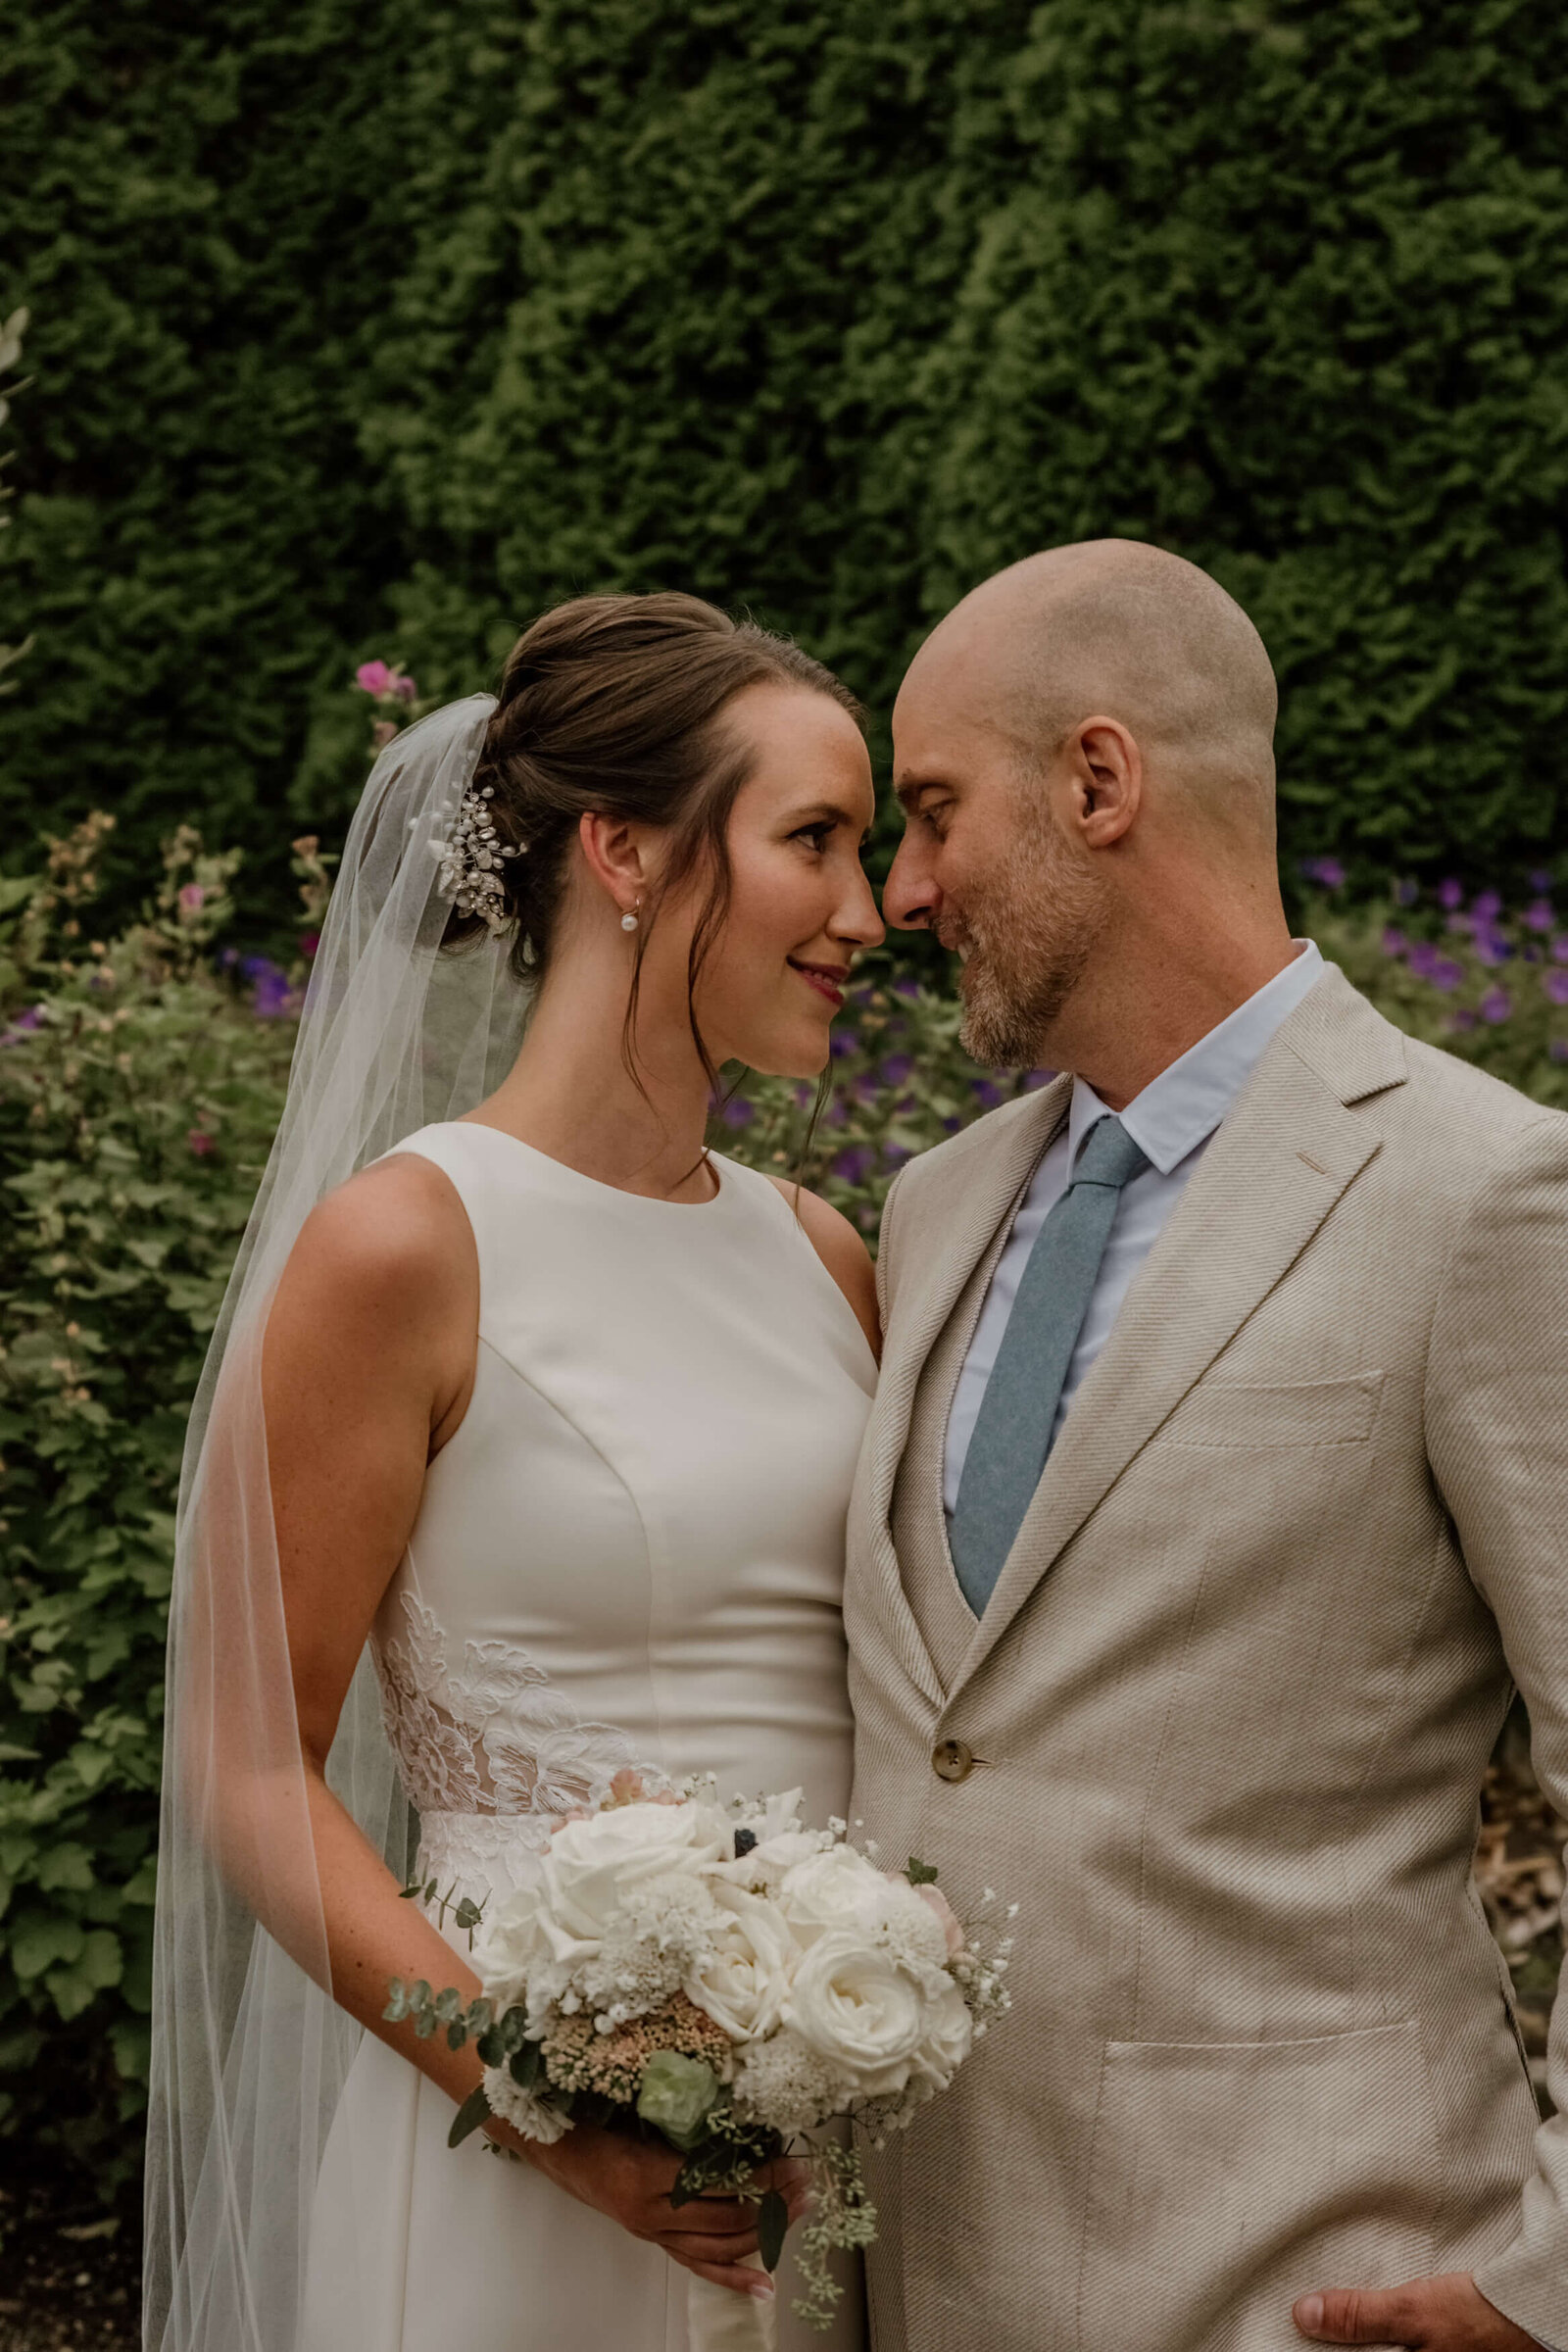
(1497, 1417)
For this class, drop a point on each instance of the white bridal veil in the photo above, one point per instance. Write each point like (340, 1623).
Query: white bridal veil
(249, 2051)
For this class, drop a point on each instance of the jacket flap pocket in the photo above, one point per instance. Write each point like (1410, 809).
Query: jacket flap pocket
(1306, 1412)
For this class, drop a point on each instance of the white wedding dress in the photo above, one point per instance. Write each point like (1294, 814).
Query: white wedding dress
(630, 1551)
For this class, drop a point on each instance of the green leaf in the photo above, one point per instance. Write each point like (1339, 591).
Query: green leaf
(773, 2226)
(469, 2115)
(40, 1941)
(526, 2065)
(69, 1866)
(920, 1873)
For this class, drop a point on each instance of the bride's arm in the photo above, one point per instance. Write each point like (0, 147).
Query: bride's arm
(366, 1370)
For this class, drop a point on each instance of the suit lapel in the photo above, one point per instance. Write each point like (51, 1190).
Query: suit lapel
(928, 1292)
(1272, 1174)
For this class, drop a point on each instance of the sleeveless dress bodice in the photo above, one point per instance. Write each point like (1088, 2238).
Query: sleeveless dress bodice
(630, 1551)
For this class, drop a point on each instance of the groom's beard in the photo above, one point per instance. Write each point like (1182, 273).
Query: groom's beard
(1030, 931)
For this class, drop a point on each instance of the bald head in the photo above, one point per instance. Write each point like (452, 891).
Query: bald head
(1115, 628)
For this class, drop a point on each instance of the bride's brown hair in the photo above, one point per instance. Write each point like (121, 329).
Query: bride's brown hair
(616, 704)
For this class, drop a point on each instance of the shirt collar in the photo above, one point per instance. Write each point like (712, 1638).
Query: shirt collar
(1181, 1108)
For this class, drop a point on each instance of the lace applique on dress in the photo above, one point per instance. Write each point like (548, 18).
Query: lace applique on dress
(493, 1738)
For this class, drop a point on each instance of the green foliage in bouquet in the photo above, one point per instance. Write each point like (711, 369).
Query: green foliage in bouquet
(139, 1087)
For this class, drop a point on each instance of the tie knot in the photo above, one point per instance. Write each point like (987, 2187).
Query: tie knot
(1110, 1156)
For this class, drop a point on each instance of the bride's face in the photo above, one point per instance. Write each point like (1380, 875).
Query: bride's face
(800, 905)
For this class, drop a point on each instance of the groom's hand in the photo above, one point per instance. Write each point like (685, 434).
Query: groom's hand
(1449, 2314)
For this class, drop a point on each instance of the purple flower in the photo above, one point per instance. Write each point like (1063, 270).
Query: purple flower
(1539, 878)
(855, 1165)
(1445, 973)
(906, 987)
(1394, 941)
(898, 1069)
(1492, 947)
(1035, 1079)
(32, 1019)
(950, 1126)
(1405, 894)
(271, 993)
(1327, 870)
(804, 1094)
(1450, 894)
(866, 1089)
(1555, 984)
(1539, 915)
(1424, 958)
(986, 1092)
(894, 1153)
(738, 1113)
(844, 1042)
(1463, 1018)
(1495, 1006)
(1487, 907)
(1558, 1049)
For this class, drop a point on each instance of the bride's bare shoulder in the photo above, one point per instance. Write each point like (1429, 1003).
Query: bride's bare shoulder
(842, 1251)
(392, 1242)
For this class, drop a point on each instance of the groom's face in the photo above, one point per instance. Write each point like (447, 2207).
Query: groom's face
(984, 864)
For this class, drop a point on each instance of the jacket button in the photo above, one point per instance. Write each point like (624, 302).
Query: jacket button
(952, 1760)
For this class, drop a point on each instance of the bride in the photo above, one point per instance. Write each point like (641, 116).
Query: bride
(523, 1456)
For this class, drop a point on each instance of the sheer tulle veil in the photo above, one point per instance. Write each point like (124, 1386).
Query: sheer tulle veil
(249, 2051)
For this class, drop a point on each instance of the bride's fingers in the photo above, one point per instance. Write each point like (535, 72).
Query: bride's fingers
(691, 2245)
(743, 2281)
(715, 2216)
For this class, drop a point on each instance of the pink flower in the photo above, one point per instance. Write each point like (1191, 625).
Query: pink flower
(310, 941)
(192, 899)
(382, 733)
(200, 1142)
(377, 678)
(944, 1913)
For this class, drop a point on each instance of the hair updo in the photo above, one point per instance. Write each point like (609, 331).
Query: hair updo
(613, 705)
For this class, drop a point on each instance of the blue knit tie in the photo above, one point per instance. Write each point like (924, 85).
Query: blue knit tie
(1017, 1415)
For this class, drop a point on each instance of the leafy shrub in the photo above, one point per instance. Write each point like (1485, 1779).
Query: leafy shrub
(138, 1093)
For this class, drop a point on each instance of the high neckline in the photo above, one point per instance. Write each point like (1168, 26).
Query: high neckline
(614, 1192)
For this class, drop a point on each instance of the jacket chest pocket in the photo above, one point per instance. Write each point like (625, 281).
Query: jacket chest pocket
(1225, 1414)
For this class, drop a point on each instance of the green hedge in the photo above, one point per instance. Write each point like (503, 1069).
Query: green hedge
(364, 331)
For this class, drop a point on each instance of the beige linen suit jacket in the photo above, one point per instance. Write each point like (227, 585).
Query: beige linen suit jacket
(1229, 1710)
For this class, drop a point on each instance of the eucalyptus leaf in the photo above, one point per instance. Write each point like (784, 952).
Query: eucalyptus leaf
(773, 2226)
(469, 2115)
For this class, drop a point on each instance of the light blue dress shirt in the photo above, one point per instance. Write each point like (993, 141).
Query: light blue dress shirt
(1172, 1120)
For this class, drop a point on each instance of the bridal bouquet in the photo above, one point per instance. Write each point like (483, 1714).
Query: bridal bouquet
(730, 1981)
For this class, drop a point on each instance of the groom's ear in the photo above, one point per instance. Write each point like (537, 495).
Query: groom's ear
(1104, 775)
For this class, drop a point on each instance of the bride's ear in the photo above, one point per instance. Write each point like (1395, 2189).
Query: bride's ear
(615, 854)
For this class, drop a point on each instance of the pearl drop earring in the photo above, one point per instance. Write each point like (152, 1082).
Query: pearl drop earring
(628, 921)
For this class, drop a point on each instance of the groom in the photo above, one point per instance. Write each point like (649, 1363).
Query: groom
(1215, 1497)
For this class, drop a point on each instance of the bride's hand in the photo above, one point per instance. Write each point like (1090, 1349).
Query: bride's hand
(630, 2181)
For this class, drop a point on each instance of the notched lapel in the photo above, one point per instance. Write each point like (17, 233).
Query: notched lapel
(1269, 1180)
(965, 1219)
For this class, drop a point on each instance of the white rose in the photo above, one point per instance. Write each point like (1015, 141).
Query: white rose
(509, 1944)
(742, 1978)
(839, 1891)
(860, 2011)
(588, 1867)
(946, 2039)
